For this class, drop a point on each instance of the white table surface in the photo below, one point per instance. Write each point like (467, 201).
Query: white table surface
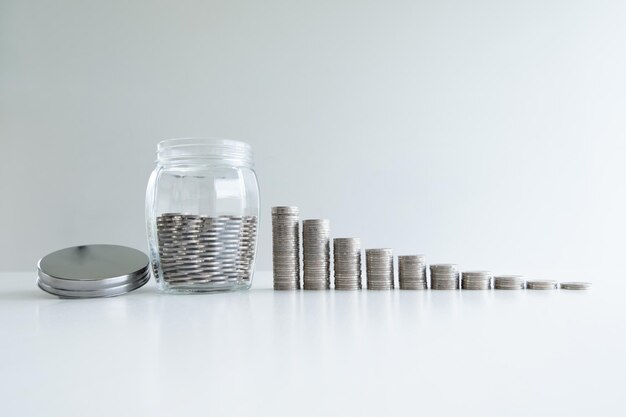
(260, 352)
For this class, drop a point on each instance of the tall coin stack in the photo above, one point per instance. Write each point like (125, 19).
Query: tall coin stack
(379, 265)
(347, 254)
(476, 280)
(316, 251)
(412, 272)
(286, 247)
(444, 277)
(509, 282)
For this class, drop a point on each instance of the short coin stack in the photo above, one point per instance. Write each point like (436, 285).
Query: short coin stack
(286, 247)
(412, 272)
(444, 277)
(347, 255)
(542, 285)
(379, 265)
(476, 280)
(196, 249)
(316, 251)
(509, 282)
(575, 285)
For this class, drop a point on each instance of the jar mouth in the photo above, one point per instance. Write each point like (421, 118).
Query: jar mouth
(211, 150)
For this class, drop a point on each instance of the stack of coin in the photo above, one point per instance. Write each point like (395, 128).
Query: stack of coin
(201, 250)
(509, 282)
(444, 277)
(476, 280)
(575, 285)
(412, 272)
(347, 255)
(316, 251)
(379, 265)
(247, 248)
(542, 285)
(286, 248)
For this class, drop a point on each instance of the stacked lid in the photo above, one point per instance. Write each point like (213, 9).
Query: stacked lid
(93, 271)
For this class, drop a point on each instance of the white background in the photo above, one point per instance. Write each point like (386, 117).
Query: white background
(312, 353)
(488, 133)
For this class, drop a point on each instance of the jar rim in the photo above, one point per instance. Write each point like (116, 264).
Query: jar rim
(178, 150)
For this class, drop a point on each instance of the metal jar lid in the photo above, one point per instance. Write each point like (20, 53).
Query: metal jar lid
(93, 271)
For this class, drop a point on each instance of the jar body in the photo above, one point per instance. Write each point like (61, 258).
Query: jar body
(202, 217)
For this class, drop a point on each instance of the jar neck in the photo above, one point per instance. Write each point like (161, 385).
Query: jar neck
(204, 151)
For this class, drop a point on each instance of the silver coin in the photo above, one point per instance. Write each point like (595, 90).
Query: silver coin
(509, 282)
(446, 267)
(196, 248)
(379, 268)
(285, 210)
(316, 254)
(477, 273)
(412, 259)
(286, 247)
(576, 285)
(412, 272)
(542, 285)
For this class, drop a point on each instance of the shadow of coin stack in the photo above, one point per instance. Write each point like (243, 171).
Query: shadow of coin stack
(379, 265)
(286, 247)
(316, 254)
(444, 277)
(412, 272)
(347, 257)
(476, 280)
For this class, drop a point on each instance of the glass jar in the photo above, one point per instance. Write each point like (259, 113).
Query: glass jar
(202, 215)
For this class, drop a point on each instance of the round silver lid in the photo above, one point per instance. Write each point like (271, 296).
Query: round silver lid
(93, 271)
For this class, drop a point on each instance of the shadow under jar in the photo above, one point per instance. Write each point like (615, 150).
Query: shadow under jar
(202, 215)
